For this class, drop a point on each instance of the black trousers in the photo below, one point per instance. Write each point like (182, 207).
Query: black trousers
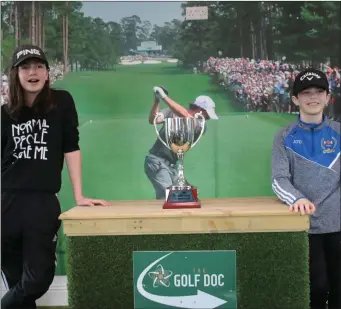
(29, 226)
(325, 270)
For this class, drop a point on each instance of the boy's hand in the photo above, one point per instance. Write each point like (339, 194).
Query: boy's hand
(304, 206)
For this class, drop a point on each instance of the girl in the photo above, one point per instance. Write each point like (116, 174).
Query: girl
(39, 128)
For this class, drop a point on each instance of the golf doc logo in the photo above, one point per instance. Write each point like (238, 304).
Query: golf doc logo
(185, 279)
(310, 76)
(31, 51)
(166, 278)
(160, 276)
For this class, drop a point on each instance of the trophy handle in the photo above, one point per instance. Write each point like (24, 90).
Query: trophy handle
(157, 131)
(197, 115)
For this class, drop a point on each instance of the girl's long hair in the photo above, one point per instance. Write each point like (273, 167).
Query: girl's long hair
(16, 97)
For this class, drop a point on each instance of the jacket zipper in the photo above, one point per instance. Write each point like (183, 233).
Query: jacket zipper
(313, 141)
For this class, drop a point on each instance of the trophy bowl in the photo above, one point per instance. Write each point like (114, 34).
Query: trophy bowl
(180, 137)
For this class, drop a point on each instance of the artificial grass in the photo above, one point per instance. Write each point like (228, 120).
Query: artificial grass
(272, 268)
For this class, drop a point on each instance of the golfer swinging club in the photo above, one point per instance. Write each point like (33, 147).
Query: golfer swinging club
(160, 163)
(39, 128)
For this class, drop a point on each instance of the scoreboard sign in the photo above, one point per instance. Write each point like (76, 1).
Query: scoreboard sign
(197, 13)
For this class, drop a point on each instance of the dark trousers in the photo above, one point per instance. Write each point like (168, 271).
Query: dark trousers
(29, 226)
(325, 270)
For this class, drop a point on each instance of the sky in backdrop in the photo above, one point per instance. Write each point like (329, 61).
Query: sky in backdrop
(155, 12)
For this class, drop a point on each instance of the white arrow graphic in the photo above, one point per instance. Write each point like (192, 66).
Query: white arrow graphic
(200, 300)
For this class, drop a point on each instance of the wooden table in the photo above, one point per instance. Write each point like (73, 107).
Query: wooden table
(100, 238)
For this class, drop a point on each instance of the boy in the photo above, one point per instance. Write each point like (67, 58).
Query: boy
(306, 176)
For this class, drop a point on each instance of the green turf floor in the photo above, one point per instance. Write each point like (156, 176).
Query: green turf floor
(232, 159)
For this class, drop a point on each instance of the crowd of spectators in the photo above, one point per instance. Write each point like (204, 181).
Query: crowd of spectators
(133, 58)
(264, 85)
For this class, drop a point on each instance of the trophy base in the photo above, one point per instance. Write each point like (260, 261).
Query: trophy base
(170, 205)
(182, 199)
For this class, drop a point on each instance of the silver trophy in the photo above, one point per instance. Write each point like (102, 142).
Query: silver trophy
(179, 135)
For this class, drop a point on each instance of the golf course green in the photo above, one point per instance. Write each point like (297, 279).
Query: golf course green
(231, 160)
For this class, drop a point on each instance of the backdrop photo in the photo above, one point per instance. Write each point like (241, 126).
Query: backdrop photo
(243, 55)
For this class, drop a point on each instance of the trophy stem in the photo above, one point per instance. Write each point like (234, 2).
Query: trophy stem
(181, 181)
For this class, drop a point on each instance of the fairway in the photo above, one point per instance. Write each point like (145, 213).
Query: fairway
(128, 91)
(232, 159)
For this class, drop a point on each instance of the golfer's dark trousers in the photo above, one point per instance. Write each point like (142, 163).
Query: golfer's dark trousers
(29, 226)
(325, 271)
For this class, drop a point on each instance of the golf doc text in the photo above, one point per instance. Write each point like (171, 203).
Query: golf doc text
(192, 280)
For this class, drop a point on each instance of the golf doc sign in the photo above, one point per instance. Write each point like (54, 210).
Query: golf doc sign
(184, 279)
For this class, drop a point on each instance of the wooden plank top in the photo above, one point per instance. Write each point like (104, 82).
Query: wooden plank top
(216, 207)
(218, 215)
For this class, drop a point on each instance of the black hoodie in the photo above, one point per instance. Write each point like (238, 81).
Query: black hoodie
(33, 147)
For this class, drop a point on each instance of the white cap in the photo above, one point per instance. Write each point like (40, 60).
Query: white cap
(207, 104)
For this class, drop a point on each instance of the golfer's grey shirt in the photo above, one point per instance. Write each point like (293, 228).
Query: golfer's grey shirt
(306, 163)
(160, 150)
